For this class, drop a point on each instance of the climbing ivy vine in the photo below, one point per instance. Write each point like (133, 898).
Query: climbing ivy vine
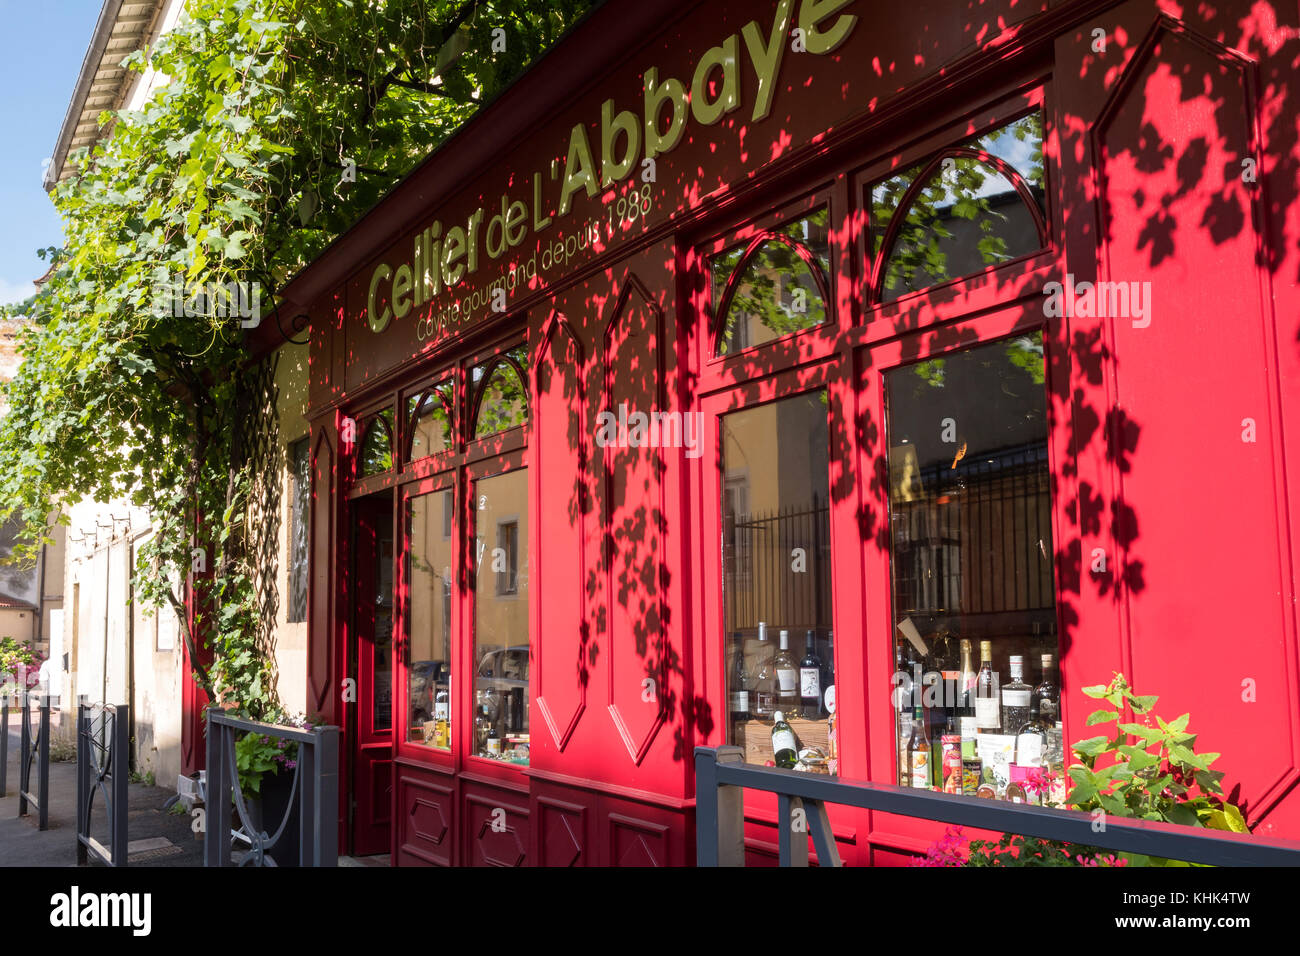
(280, 123)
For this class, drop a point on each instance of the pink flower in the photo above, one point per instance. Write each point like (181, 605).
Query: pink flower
(946, 851)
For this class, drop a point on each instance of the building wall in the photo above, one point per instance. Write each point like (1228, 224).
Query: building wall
(290, 638)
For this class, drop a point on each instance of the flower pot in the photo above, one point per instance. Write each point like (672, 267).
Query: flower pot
(267, 810)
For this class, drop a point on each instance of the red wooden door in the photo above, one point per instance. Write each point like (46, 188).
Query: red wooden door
(371, 667)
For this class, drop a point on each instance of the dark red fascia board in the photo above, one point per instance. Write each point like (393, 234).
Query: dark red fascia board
(593, 49)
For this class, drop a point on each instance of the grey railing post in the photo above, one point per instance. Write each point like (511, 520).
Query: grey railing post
(216, 834)
(83, 779)
(119, 758)
(43, 762)
(4, 741)
(819, 824)
(324, 783)
(24, 750)
(793, 843)
(719, 809)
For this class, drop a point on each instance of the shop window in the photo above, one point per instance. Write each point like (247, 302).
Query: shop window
(777, 583)
(975, 687)
(970, 207)
(300, 501)
(428, 616)
(430, 417)
(773, 285)
(500, 393)
(501, 637)
(376, 454)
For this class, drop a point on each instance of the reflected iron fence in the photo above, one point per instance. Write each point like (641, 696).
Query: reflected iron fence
(722, 777)
(34, 758)
(103, 767)
(313, 793)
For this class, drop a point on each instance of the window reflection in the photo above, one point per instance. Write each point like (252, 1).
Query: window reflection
(777, 291)
(776, 580)
(971, 568)
(429, 601)
(501, 393)
(501, 635)
(376, 454)
(967, 215)
(430, 415)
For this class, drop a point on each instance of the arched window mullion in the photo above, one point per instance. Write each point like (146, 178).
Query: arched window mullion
(759, 240)
(903, 207)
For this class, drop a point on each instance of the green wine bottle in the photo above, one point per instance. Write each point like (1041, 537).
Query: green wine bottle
(783, 750)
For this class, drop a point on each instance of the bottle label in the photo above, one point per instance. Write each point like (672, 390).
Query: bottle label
(740, 702)
(810, 683)
(782, 740)
(920, 760)
(764, 702)
(986, 713)
(440, 711)
(787, 679)
(1029, 750)
(1015, 698)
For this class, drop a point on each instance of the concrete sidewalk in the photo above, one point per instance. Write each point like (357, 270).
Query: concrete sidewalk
(154, 837)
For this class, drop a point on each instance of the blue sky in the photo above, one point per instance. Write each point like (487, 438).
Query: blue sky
(42, 44)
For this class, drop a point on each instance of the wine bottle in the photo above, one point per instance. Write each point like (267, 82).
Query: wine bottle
(1031, 740)
(1047, 695)
(783, 749)
(919, 762)
(787, 677)
(946, 663)
(739, 699)
(1054, 764)
(904, 738)
(764, 689)
(810, 678)
(1016, 696)
(966, 684)
(987, 693)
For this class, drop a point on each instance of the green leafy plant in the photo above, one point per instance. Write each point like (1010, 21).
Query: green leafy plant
(1148, 770)
(279, 124)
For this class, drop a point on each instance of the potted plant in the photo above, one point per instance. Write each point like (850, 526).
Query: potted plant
(266, 767)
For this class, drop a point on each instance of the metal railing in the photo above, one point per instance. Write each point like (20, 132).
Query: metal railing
(721, 778)
(103, 753)
(34, 751)
(314, 791)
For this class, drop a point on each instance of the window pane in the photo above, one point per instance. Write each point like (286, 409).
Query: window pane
(504, 399)
(430, 418)
(429, 615)
(776, 292)
(1020, 145)
(376, 455)
(300, 478)
(500, 559)
(971, 566)
(777, 579)
(962, 220)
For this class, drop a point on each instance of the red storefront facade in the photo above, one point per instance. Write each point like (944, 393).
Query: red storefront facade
(1094, 317)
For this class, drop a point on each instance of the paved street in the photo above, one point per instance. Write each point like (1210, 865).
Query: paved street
(156, 838)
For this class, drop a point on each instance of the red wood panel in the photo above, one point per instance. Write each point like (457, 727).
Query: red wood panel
(633, 554)
(560, 450)
(562, 826)
(1177, 412)
(425, 833)
(496, 826)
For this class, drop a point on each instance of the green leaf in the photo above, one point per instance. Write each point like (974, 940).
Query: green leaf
(1096, 691)
(1100, 717)
(1092, 746)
